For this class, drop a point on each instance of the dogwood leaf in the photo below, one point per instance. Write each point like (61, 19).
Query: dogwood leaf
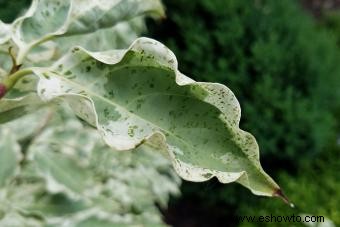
(137, 96)
(119, 36)
(47, 19)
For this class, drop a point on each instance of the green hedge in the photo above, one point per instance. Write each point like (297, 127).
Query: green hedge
(284, 71)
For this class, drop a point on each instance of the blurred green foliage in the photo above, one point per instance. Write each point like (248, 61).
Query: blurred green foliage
(315, 191)
(283, 70)
(10, 9)
(331, 20)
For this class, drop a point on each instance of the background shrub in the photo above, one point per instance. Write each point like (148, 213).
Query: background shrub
(10, 9)
(315, 191)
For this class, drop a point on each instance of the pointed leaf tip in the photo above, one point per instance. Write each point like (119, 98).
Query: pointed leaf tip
(279, 193)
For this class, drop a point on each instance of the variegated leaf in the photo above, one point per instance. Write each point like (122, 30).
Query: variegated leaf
(119, 36)
(47, 19)
(138, 95)
(119, 182)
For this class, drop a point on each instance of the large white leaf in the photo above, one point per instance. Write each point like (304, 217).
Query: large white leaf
(138, 95)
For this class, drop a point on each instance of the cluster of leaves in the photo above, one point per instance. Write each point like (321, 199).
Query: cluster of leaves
(66, 52)
(283, 69)
(58, 172)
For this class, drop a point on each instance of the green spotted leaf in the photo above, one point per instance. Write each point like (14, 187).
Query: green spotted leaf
(138, 96)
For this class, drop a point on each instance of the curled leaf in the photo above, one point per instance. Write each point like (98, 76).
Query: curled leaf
(138, 96)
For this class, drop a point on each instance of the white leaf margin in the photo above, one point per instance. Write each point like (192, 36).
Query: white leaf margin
(215, 93)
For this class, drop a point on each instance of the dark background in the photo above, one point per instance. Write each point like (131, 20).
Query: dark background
(282, 60)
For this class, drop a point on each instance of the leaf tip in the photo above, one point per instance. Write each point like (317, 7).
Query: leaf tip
(279, 193)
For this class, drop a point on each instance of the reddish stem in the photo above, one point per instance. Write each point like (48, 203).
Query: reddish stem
(279, 193)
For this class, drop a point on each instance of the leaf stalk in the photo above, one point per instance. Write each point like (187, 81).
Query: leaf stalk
(12, 79)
